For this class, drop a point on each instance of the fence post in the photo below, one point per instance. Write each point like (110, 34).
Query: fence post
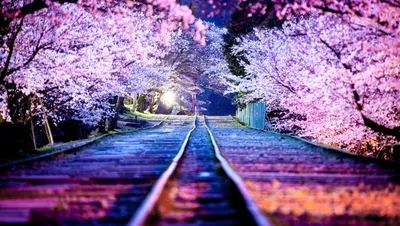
(253, 115)
(247, 115)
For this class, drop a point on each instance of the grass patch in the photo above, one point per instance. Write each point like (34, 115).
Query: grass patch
(142, 115)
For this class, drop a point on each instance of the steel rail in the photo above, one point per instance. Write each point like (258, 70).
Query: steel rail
(142, 213)
(258, 216)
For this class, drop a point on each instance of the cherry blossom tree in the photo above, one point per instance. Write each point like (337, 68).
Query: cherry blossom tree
(71, 71)
(196, 66)
(169, 10)
(157, 20)
(213, 58)
(66, 59)
(383, 14)
(339, 79)
(62, 59)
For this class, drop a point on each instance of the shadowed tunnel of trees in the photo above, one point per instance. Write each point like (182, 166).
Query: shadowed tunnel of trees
(328, 71)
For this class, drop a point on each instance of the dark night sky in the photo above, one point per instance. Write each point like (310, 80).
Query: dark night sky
(201, 5)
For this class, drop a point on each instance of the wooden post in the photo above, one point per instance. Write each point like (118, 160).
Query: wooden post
(134, 100)
(32, 129)
(47, 128)
(119, 102)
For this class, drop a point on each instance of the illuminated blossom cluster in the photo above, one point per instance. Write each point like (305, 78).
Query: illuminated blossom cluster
(338, 80)
(213, 58)
(333, 66)
(77, 66)
(382, 14)
(194, 65)
(164, 15)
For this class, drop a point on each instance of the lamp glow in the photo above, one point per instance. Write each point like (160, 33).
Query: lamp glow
(168, 98)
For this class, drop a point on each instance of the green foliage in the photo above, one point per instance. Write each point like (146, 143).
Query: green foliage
(139, 115)
(233, 59)
(237, 96)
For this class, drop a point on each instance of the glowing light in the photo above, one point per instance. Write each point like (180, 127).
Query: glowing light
(168, 98)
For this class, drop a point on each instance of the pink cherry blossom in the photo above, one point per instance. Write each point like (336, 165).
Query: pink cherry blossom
(333, 76)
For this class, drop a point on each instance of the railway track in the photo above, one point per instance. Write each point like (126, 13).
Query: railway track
(103, 184)
(200, 190)
(165, 176)
(189, 172)
(296, 183)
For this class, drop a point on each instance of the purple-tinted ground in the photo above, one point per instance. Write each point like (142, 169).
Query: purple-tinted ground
(300, 184)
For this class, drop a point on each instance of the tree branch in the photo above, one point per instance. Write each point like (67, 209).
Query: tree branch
(367, 121)
(10, 45)
(380, 128)
(30, 59)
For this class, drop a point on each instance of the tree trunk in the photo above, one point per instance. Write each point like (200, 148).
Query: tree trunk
(134, 102)
(33, 130)
(47, 128)
(107, 124)
(118, 107)
(111, 122)
(155, 101)
(107, 121)
(140, 103)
